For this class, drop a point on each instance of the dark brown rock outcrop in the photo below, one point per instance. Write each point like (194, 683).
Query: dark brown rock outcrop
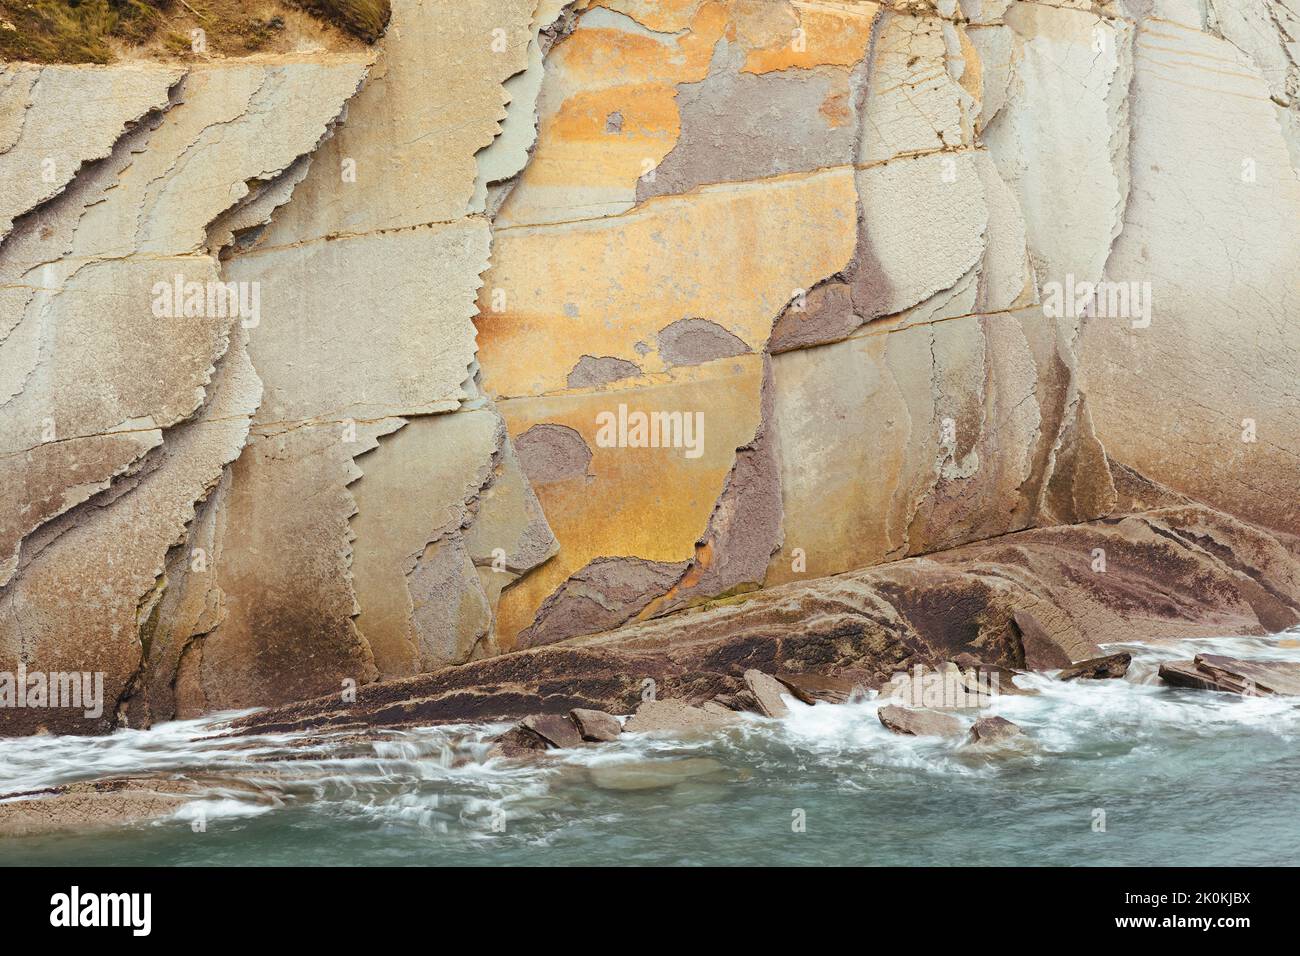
(1252, 678)
(1098, 668)
(518, 741)
(1171, 573)
(812, 688)
(556, 730)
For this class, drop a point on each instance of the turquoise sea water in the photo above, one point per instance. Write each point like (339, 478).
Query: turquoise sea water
(1183, 778)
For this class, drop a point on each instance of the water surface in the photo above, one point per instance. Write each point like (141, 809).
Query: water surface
(1183, 777)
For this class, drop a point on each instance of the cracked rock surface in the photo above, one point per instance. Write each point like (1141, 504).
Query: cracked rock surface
(573, 344)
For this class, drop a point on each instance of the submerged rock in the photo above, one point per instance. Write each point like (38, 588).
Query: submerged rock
(992, 730)
(651, 774)
(537, 733)
(993, 678)
(918, 723)
(1234, 675)
(517, 742)
(1098, 668)
(949, 687)
(109, 802)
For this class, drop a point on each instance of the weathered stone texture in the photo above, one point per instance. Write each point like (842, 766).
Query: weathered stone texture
(1172, 573)
(833, 251)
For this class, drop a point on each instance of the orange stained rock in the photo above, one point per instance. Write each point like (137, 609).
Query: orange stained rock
(664, 16)
(701, 561)
(605, 137)
(607, 115)
(837, 109)
(651, 503)
(829, 34)
(592, 57)
(733, 254)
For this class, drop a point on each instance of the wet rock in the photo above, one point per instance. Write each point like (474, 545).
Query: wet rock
(767, 691)
(558, 731)
(651, 774)
(918, 723)
(991, 730)
(517, 742)
(811, 688)
(92, 805)
(1098, 668)
(676, 716)
(596, 725)
(979, 685)
(993, 677)
(945, 687)
(1187, 674)
(1233, 675)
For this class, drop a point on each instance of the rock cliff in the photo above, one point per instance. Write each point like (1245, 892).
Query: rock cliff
(541, 349)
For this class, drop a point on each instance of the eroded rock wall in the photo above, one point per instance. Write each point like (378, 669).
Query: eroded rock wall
(572, 316)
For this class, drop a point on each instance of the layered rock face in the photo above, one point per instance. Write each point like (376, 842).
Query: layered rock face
(546, 349)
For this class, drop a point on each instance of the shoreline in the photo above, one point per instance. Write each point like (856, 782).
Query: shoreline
(196, 790)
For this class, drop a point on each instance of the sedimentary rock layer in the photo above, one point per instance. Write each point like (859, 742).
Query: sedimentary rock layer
(1036, 599)
(127, 395)
(556, 319)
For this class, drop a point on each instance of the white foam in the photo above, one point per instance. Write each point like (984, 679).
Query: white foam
(438, 780)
